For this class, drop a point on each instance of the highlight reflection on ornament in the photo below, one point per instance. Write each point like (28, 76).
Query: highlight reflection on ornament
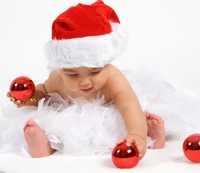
(124, 156)
(22, 88)
(191, 147)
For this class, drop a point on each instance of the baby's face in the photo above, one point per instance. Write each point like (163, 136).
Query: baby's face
(84, 81)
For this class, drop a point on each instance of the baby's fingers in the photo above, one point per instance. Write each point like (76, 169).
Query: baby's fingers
(141, 150)
(129, 140)
(12, 99)
(119, 141)
(19, 103)
(139, 145)
(10, 96)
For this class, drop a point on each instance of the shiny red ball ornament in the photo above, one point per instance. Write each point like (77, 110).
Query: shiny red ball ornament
(191, 147)
(22, 88)
(124, 156)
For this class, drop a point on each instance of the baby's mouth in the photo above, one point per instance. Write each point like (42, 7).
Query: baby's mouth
(87, 90)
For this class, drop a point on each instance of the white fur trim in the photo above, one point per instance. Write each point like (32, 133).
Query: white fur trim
(92, 51)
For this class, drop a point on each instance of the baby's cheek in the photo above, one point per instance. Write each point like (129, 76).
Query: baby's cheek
(71, 85)
(100, 83)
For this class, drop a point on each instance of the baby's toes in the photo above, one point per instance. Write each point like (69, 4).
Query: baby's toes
(160, 120)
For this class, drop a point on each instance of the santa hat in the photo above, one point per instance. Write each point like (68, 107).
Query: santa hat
(85, 35)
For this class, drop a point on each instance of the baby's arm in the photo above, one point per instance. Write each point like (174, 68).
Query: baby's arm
(127, 103)
(49, 86)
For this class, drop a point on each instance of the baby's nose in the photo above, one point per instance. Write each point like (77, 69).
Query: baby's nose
(85, 82)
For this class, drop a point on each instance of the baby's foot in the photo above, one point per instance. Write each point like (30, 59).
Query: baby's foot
(37, 141)
(156, 130)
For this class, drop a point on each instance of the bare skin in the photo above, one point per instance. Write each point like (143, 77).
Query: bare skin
(110, 82)
(156, 130)
(38, 143)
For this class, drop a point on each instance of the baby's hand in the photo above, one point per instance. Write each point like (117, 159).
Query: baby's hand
(19, 103)
(138, 141)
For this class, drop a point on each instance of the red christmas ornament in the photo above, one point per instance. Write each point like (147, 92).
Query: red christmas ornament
(191, 147)
(124, 156)
(22, 88)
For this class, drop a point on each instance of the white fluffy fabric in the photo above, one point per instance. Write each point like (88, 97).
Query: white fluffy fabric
(81, 128)
(179, 107)
(92, 128)
(91, 51)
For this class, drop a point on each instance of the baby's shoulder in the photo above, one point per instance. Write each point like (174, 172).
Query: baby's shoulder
(117, 81)
(115, 74)
(113, 69)
(55, 76)
(55, 79)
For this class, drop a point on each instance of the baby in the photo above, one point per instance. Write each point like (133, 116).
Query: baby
(85, 39)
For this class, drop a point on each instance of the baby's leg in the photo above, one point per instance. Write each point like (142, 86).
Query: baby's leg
(38, 143)
(156, 130)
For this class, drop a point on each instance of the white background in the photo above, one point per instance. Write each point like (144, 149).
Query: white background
(163, 35)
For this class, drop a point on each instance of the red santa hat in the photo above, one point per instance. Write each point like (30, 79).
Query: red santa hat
(85, 35)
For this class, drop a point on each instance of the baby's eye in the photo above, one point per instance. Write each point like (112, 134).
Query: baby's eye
(95, 72)
(73, 75)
